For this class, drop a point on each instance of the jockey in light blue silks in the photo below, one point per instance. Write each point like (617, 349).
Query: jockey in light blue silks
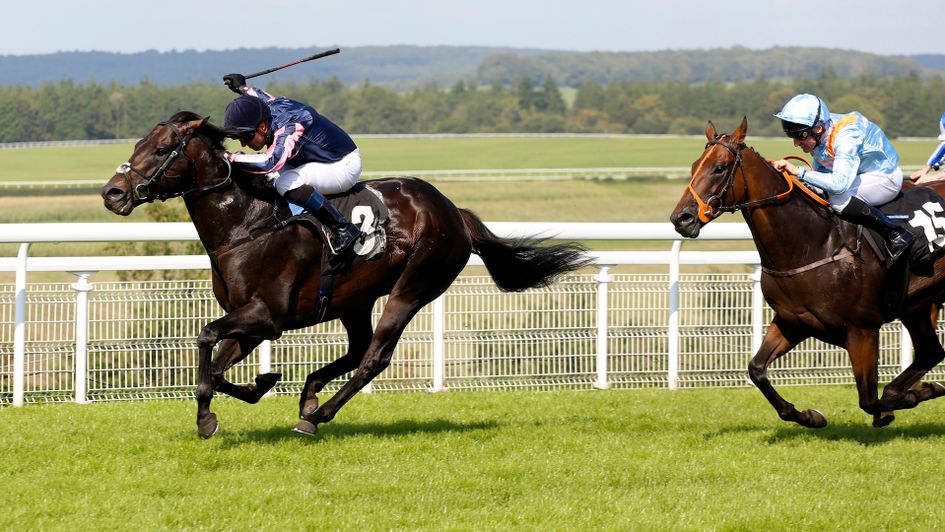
(936, 161)
(853, 162)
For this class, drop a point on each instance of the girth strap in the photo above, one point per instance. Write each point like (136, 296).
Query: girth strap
(844, 253)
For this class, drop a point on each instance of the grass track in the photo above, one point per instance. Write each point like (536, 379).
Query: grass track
(644, 459)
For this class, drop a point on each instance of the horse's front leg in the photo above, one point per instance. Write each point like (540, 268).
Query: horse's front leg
(248, 322)
(229, 353)
(780, 339)
(358, 326)
(396, 316)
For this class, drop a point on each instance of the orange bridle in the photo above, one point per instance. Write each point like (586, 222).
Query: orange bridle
(707, 210)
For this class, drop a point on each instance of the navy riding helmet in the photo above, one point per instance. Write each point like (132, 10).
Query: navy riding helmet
(245, 113)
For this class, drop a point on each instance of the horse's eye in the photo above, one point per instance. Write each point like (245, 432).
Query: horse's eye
(719, 168)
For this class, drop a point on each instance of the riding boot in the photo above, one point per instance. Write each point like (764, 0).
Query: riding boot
(341, 233)
(897, 239)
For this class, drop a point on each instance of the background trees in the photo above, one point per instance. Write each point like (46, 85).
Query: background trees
(906, 105)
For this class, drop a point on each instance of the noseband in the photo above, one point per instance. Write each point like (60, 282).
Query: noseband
(708, 212)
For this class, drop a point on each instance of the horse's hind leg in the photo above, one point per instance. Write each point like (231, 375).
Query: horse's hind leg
(359, 329)
(900, 392)
(863, 349)
(780, 339)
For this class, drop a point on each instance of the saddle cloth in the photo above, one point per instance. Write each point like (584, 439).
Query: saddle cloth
(365, 208)
(922, 211)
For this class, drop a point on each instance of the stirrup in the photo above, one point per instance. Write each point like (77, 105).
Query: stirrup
(899, 244)
(342, 241)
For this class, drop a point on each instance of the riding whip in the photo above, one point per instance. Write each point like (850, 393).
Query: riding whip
(287, 65)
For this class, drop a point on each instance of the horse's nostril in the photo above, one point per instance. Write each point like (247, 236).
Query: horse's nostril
(113, 192)
(682, 218)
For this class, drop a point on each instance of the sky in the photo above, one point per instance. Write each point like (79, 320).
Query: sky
(882, 27)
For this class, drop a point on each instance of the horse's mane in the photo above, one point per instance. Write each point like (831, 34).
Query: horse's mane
(215, 135)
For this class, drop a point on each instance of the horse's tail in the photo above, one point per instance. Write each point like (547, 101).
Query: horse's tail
(517, 264)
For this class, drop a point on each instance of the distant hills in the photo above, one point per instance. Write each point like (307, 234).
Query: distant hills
(405, 67)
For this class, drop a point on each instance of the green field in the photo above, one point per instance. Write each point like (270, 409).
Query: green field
(398, 155)
(618, 460)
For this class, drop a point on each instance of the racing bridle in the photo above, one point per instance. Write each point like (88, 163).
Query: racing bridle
(707, 209)
(145, 191)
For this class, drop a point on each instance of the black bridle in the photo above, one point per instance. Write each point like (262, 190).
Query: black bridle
(708, 212)
(145, 191)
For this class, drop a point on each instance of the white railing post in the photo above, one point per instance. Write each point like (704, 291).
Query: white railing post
(757, 311)
(905, 348)
(439, 343)
(672, 370)
(265, 356)
(603, 280)
(19, 327)
(82, 289)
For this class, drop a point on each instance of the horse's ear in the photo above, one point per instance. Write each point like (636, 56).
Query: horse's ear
(710, 130)
(194, 125)
(739, 134)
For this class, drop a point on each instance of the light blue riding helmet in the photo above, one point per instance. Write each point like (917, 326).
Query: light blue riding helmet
(941, 127)
(806, 109)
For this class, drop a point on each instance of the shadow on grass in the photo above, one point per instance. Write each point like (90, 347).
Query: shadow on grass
(864, 434)
(338, 431)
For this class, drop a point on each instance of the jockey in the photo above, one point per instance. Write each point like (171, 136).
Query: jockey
(307, 154)
(936, 161)
(853, 162)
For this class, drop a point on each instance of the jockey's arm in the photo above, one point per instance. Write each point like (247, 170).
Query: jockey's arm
(283, 147)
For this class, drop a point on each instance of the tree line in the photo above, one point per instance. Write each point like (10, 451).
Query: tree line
(908, 105)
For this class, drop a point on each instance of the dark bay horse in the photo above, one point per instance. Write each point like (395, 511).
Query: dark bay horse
(816, 276)
(270, 284)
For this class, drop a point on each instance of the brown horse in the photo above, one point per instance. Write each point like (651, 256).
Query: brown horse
(816, 276)
(268, 281)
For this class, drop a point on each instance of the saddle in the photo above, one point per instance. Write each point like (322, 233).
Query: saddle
(366, 209)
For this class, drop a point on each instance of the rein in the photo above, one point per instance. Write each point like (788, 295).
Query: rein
(707, 212)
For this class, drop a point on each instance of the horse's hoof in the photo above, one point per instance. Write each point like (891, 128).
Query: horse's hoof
(813, 419)
(305, 427)
(934, 389)
(265, 381)
(207, 426)
(883, 419)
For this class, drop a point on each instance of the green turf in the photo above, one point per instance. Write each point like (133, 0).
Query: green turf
(627, 460)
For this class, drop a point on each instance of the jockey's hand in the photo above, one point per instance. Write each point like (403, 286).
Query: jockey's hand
(784, 166)
(230, 156)
(919, 173)
(235, 82)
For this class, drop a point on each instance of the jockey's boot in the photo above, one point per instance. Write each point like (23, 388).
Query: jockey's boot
(897, 239)
(341, 232)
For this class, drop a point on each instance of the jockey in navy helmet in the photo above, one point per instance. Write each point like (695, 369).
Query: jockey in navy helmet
(307, 155)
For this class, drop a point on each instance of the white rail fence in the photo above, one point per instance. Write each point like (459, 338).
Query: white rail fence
(94, 341)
